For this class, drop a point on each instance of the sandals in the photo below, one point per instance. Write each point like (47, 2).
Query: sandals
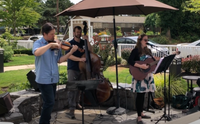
(79, 107)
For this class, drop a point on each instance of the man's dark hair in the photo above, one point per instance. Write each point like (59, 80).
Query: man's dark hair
(77, 27)
(47, 27)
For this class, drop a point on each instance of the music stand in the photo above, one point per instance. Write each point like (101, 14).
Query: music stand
(162, 66)
(86, 85)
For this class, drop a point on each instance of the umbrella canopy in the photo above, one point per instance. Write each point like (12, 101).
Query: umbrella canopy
(93, 8)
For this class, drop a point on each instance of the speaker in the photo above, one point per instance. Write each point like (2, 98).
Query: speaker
(31, 78)
(5, 103)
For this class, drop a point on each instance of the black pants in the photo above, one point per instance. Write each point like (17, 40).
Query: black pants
(139, 103)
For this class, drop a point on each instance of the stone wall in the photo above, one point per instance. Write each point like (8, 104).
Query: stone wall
(126, 99)
(27, 104)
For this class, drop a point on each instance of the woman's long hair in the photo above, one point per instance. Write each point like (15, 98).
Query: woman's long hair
(141, 51)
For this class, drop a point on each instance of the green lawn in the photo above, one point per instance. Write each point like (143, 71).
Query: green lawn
(14, 80)
(123, 75)
(21, 60)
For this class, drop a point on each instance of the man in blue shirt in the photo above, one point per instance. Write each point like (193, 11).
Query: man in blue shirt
(74, 71)
(47, 55)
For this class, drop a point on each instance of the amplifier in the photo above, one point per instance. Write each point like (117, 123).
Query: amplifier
(5, 103)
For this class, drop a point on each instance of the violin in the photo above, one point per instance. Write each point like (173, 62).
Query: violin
(66, 46)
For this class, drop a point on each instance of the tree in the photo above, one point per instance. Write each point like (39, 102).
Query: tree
(18, 13)
(181, 25)
(48, 10)
(193, 6)
(170, 20)
(151, 20)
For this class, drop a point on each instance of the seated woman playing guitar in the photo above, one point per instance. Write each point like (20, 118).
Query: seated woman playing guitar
(141, 53)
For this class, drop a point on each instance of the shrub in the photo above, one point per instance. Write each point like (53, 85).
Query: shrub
(119, 59)
(104, 32)
(3, 42)
(187, 37)
(119, 31)
(23, 51)
(126, 53)
(8, 36)
(177, 86)
(62, 78)
(18, 55)
(107, 32)
(118, 28)
(161, 39)
(119, 34)
(124, 62)
(14, 44)
(191, 64)
(149, 33)
(106, 52)
(111, 60)
(8, 53)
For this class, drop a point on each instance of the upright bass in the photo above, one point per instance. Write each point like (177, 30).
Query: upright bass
(91, 70)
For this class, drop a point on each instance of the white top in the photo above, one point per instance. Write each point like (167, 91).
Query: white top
(191, 77)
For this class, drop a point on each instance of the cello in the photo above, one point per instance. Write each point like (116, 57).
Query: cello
(91, 70)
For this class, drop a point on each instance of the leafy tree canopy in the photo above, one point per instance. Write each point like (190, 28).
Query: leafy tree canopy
(18, 13)
(193, 6)
(48, 11)
(183, 25)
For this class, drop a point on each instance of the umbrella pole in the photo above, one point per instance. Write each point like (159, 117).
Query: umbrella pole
(115, 48)
(116, 110)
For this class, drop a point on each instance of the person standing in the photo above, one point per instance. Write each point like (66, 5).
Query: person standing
(74, 71)
(47, 55)
(141, 53)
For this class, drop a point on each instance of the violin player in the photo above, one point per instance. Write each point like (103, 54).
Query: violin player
(47, 55)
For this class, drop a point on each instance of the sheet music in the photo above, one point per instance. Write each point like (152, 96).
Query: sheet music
(160, 61)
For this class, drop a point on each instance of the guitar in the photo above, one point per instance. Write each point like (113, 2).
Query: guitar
(140, 74)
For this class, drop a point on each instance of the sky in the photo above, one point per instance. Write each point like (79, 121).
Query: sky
(75, 1)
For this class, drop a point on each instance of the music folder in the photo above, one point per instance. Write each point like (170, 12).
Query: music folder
(164, 63)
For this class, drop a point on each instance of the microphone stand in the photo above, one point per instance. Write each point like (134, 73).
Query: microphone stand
(166, 54)
(155, 47)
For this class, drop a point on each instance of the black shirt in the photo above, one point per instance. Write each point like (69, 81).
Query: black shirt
(74, 65)
(135, 56)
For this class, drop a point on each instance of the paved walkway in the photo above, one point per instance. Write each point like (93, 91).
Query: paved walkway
(96, 116)
(25, 67)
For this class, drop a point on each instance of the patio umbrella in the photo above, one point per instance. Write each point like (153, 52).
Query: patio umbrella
(94, 8)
